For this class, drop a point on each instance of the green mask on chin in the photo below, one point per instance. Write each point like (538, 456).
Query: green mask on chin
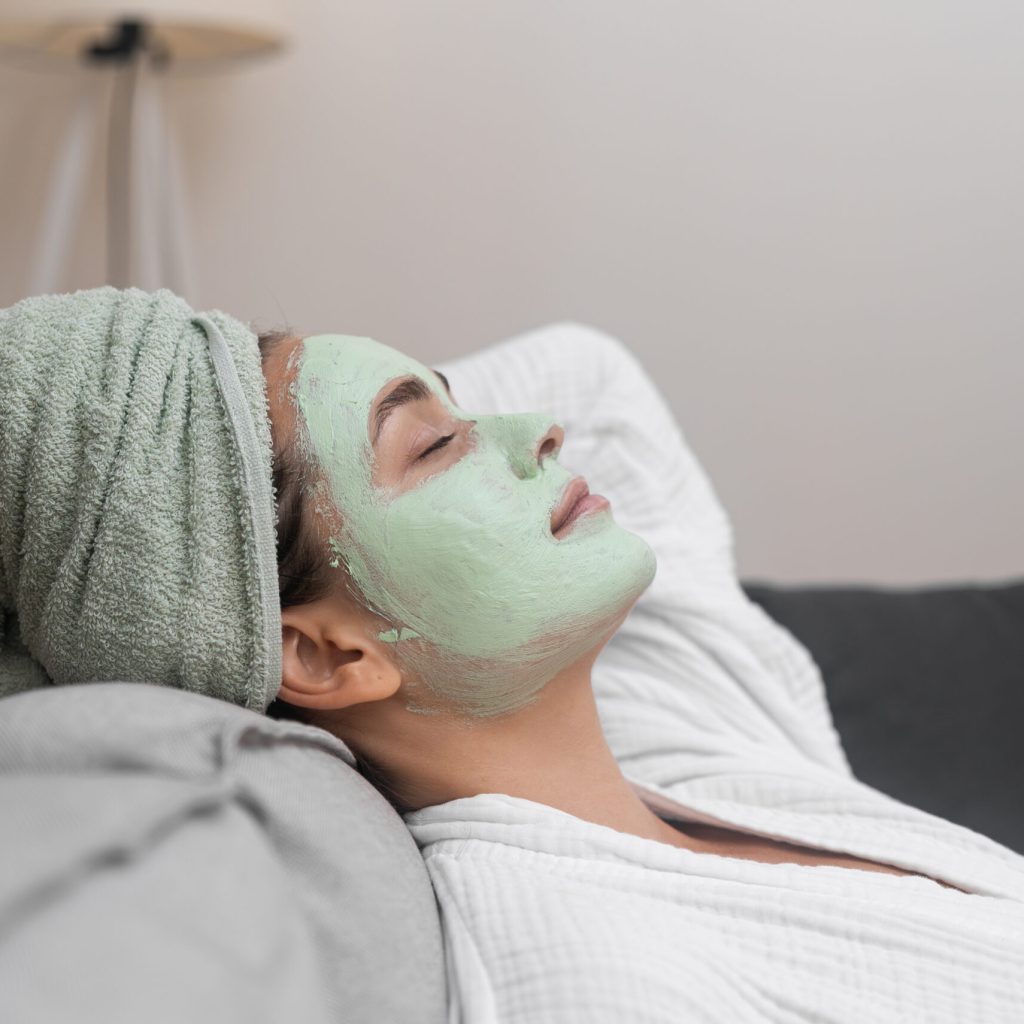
(485, 603)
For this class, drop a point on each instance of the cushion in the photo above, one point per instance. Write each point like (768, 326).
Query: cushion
(181, 858)
(926, 687)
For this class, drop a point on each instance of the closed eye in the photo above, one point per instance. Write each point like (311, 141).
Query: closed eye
(436, 446)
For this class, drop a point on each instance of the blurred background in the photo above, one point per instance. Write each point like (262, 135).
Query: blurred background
(806, 219)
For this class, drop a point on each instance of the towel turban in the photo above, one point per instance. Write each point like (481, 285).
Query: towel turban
(136, 506)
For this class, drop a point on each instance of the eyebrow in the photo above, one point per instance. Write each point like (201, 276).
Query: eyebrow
(411, 389)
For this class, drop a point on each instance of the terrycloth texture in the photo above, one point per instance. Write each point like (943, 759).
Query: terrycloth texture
(171, 859)
(136, 528)
(716, 714)
(548, 919)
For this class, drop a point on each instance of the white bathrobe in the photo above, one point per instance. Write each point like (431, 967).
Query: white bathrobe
(716, 714)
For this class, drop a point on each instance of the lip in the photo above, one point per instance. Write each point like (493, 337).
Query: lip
(575, 489)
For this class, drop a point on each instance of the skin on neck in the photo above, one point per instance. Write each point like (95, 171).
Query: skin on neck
(349, 681)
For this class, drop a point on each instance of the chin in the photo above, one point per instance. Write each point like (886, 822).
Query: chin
(643, 569)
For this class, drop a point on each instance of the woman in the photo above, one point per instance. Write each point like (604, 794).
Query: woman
(735, 870)
(668, 831)
(470, 510)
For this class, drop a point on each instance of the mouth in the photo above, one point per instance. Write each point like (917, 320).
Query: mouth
(576, 501)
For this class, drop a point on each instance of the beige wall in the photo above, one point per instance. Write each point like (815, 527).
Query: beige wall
(806, 218)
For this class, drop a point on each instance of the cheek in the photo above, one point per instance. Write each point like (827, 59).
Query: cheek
(437, 535)
(465, 494)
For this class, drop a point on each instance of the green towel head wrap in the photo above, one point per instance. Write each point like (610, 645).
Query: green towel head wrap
(136, 508)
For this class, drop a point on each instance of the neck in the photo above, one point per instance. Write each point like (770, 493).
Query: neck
(553, 752)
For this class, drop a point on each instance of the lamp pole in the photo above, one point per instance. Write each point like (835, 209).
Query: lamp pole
(123, 52)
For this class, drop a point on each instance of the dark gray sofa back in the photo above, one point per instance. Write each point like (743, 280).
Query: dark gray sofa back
(926, 688)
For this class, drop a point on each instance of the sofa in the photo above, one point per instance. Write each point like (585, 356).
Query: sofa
(926, 689)
(168, 856)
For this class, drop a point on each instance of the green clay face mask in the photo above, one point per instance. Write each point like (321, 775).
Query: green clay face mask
(455, 551)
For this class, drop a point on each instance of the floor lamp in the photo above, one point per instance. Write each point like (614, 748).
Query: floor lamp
(137, 43)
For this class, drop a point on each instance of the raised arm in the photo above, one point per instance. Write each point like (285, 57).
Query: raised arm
(696, 666)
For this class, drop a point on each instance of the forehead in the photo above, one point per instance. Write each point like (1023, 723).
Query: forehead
(351, 369)
(346, 384)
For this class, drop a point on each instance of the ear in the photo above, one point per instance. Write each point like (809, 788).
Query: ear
(329, 662)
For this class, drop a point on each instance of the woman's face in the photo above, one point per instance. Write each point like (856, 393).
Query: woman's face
(443, 521)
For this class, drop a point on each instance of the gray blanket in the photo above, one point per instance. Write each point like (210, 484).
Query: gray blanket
(170, 857)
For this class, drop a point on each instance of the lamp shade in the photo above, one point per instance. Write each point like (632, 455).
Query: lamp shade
(188, 31)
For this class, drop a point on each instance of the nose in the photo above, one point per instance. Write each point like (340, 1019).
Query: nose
(529, 439)
(551, 443)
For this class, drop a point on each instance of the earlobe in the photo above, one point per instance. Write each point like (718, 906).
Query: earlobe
(328, 665)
